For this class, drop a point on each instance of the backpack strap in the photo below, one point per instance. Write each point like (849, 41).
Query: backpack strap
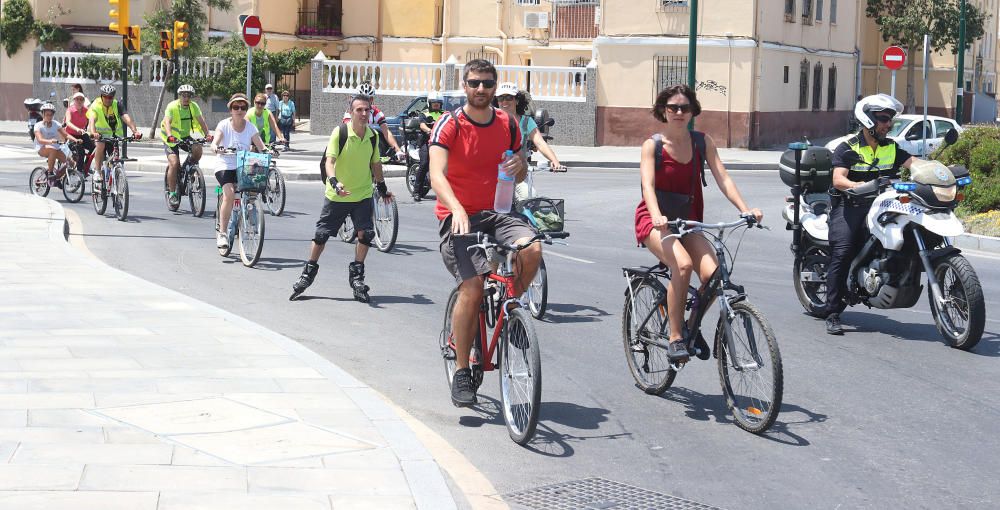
(698, 138)
(374, 139)
(657, 151)
(512, 126)
(342, 137)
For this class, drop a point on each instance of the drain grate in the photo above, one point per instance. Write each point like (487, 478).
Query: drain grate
(599, 494)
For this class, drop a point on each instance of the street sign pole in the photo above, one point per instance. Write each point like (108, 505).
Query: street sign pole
(961, 65)
(124, 75)
(927, 56)
(892, 84)
(252, 34)
(692, 48)
(249, 67)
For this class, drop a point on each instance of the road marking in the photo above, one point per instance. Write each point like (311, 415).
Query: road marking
(929, 313)
(550, 252)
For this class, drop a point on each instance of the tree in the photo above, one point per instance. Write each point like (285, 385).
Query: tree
(190, 11)
(904, 23)
(233, 77)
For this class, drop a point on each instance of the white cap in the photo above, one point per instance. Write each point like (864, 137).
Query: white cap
(78, 94)
(268, 86)
(507, 89)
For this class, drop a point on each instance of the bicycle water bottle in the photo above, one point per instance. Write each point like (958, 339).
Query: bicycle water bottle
(505, 187)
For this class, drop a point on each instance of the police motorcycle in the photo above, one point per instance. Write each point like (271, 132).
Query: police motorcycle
(413, 138)
(910, 225)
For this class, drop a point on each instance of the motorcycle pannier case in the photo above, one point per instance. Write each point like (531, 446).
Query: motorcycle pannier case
(816, 167)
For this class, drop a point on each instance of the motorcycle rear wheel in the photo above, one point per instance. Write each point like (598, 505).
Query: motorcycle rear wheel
(811, 293)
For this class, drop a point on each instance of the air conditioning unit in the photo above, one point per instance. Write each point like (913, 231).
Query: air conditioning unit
(538, 20)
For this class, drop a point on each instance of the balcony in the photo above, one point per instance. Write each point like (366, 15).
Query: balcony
(324, 23)
(575, 19)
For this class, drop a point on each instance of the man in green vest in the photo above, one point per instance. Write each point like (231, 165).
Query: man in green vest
(178, 123)
(434, 111)
(107, 118)
(876, 156)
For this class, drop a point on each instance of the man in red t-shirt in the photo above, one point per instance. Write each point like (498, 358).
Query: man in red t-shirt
(467, 146)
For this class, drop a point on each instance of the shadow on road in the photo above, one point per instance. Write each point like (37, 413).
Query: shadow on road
(702, 407)
(864, 322)
(564, 313)
(141, 219)
(415, 299)
(277, 263)
(408, 249)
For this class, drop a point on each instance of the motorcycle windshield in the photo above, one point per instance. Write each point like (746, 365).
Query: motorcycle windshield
(934, 174)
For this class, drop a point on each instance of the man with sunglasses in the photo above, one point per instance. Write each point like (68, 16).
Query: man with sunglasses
(467, 147)
(376, 119)
(107, 117)
(863, 157)
(178, 123)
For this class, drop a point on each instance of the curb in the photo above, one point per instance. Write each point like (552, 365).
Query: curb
(424, 475)
(978, 242)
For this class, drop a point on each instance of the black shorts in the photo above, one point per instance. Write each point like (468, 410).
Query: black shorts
(175, 150)
(334, 213)
(226, 177)
(463, 264)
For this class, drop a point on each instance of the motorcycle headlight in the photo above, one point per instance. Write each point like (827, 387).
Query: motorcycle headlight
(945, 193)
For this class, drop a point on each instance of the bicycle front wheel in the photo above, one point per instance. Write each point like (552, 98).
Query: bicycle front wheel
(386, 216)
(196, 192)
(275, 191)
(120, 194)
(750, 368)
(38, 182)
(99, 192)
(520, 376)
(644, 327)
(538, 292)
(73, 185)
(251, 231)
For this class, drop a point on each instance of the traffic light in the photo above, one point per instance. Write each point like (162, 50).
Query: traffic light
(166, 44)
(180, 35)
(132, 39)
(119, 16)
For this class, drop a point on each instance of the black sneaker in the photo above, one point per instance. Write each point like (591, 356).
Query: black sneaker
(676, 351)
(462, 392)
(833, 326)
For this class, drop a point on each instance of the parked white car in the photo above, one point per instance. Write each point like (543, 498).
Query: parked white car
(906, 131)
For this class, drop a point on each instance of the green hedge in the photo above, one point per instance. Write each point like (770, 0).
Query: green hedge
(978, 149)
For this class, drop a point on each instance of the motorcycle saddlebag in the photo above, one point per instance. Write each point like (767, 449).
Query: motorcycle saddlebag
(816, 167)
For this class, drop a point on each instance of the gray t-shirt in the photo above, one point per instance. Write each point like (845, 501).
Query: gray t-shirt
(48, 133)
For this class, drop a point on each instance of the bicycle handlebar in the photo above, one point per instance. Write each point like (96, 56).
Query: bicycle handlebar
(685, 227)
(485, 242)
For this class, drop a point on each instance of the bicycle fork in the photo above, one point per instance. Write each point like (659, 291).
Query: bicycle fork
(727, 315)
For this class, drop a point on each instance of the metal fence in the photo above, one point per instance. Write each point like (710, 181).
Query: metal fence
(574, 19)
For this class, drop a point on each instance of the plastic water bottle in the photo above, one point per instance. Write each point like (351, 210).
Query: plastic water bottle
(505, 187)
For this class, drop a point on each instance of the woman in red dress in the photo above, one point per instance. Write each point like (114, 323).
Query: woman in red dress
(679, 176)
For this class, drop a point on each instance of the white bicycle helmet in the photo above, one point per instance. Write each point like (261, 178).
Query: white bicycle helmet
(48, 106)
(366, 89)
(187, 87)
(434, 96)
(506, 89)
(108, 90)
(866, 109)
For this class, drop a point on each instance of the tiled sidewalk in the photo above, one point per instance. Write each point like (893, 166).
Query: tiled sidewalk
(117, 393)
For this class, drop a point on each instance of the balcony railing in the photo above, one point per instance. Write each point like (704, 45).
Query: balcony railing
(575, 19)
(319, 23)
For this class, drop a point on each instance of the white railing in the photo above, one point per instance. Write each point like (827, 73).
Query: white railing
(390, 78)
(201, 67)
(548, 83)
(64, 66)
(401, 78)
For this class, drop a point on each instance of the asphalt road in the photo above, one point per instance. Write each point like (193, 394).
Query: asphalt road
(885, 416)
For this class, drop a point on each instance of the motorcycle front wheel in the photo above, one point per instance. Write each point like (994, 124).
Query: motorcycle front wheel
(962, 317)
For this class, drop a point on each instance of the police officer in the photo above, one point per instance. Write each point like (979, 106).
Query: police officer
(861, 158)
(434, 111)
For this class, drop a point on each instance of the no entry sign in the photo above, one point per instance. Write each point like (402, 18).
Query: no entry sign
(252, 31)
(894, 57)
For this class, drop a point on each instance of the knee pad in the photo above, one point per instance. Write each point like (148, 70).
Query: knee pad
(367, 238)
(321, 238)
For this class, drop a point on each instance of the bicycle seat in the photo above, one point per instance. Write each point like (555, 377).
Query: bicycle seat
(657, 270)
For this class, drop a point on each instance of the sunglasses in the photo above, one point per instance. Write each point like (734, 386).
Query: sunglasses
(107, 97)
(474, 84)
(239, 108)
(678, 108)
(259, 103)
(883, 118)
(505, 98)
(186, 94)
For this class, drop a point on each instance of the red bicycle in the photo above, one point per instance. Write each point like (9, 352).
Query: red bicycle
(513, 344)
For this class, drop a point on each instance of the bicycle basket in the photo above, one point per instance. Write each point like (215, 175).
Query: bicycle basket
(544, 214)
(251, 171)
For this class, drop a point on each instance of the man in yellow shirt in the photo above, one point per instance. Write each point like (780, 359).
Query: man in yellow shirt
(105, 118)
(178, 124)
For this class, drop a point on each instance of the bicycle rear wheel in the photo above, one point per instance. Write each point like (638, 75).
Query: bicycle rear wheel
(120, 195)
(520, 376)
(196, 192)
(38, 182)
(99, 193)
(751, 374)
(346, 232)
(386, 216)
(538, 292)
(446, 342)
(251, 232)
(73, 185)
(648, 362)
(275, 191)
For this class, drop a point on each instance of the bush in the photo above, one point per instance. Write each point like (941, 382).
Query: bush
(16, 25)
(978, 149)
